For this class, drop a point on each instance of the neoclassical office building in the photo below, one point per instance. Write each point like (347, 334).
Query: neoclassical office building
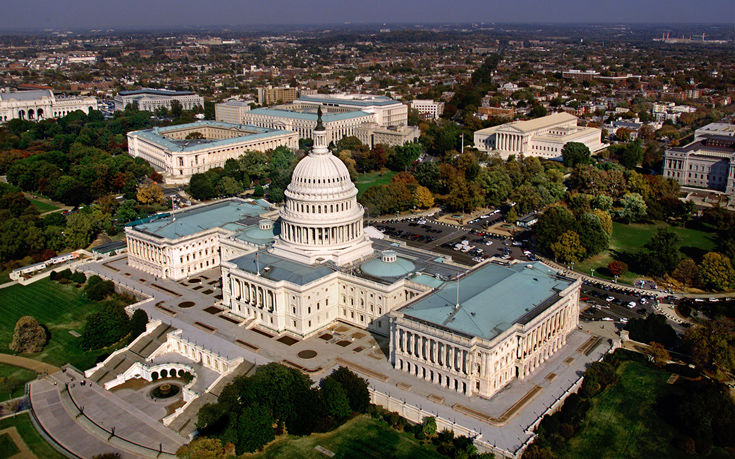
(544, 137)
(316, 265)
(181, 151)
(41, 104)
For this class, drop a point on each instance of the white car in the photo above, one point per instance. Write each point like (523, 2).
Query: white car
(643, 301)
(610, 299)
(632, 304)
(624, 320)
(607, 319)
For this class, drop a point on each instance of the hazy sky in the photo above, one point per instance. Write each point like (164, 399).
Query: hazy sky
(172, 13)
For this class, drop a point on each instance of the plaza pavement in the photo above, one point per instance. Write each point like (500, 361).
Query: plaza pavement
(362, 352)
(87, 420)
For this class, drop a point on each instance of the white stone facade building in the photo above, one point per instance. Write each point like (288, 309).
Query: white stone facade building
(303, 120)
(388, 112)
(180, 151)
(151, 100)
(543, 137)
(42, 104)
(198, 238)
(707, 162)
(507, 322)
(428, 108)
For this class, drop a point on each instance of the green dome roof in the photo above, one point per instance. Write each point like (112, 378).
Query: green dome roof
(377, 267)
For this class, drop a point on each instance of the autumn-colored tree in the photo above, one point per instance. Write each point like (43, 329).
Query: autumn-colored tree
(659, 353)
(206, 448)
(623, 134)
(716, 272)
(686, 272)
(605, 220)
(404, 177)
(150, 193)
(28, 336)
(617, 267)
(422, 197)
(709, 345)
(568, 248)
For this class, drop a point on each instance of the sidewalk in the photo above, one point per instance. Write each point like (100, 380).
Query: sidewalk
(28, 364)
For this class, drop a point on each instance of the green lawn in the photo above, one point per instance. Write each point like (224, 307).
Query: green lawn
(622, 422)
(368, 179)
(13, 380)
(8, 448)
(60, 308)
(361, 437)
(631, 237)
(28, 433)
(43, 206)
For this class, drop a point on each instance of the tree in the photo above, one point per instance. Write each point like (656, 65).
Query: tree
(258, 192)
(653, 328)
(623, 134)
(574, 153)
(568, 248)
(633, 207)
(428, 426)
(252, 429)
(335, 399)
(422, 197)
(205, 448)
(497, 185)
(555, 221)
(427, 174)
(228, 186)
(200, 187)
(355, 387)
(659, 354)
(686, 272)
(632, 155)
(617, 268)
(716, 272)
(105, 327)
(28, 336)
(512, 215)
(592, 235)
(150, 193)
(403, 156)
(138, 323)
(601, 202)
(709, 345)
(605, 220)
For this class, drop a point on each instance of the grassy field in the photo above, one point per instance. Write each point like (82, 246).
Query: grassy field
(61, 308)
(12, 381)
(28, 433)
(622, 422)
(631, 237)
(361, 437)
(366, 180)
(43, 206)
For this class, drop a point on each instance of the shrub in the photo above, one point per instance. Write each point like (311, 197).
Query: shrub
(105, 327)
(138, 323)
(97, 291)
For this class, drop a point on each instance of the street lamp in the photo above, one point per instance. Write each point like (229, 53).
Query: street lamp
(592, 272)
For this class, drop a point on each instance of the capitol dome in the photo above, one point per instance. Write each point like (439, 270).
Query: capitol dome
(321, 219)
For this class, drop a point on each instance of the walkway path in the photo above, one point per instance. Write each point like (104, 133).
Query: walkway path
(28, 364)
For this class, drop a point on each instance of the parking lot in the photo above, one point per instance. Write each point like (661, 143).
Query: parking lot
(466, 245)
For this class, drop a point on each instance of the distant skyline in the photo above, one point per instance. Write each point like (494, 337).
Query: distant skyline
(162, 14)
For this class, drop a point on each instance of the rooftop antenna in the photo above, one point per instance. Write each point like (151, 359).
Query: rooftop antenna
(456, 306)
(173, 209)
(257, 264)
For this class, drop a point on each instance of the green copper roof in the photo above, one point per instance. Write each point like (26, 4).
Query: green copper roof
(379, 268)
(492, 298)
(281, 269)
(192, 221)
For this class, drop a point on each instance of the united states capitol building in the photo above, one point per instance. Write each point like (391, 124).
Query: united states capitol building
(299, 269)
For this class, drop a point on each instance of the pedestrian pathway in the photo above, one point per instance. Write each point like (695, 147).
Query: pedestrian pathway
(28, 364)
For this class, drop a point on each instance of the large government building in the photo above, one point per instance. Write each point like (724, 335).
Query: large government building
(372, 119)
(707, 162)
(151, 100)
(312, 264)
(41, 104)
(180, 151)
(544, 137)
